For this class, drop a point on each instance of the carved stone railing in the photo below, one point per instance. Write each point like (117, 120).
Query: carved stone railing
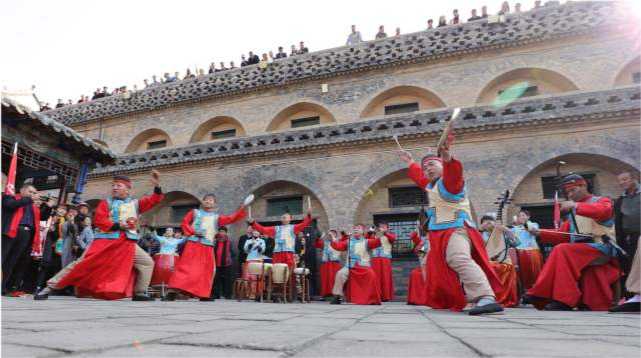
(543, 24)
(544, 109)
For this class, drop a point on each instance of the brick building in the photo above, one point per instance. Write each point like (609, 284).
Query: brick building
(321, 125)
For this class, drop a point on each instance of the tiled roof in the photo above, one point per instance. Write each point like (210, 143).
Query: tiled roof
(543, 109)
(543, 24)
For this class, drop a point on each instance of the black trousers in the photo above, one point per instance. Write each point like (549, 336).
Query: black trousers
(13, 250)
(222, 282)
(629, 244)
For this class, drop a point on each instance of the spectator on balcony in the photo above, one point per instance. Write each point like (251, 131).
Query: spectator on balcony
(146, 82)
(105, 92)
(264, 62)
(45, 107)
(517, 7)
(398, 31)
(96, 94)
(270, 55)
(82, 98)
(70, 102)
(231, 65)
(441, 21)
(115, 92)
(354, 38)
(168, 78)
(474, 16)
(301, 48)
(281, 53)
(430, 24)
(222, 67)
(212, 68)
(176, 76)
(381, 33)
(253, 59)
(505, 8)
(483, 12)
(189, 75)
(201, 73)
(294, 52)
(243, 61)
(454, 20)
(154, 81)
(537, 4)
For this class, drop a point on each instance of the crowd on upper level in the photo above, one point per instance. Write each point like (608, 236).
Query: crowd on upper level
(263, 61)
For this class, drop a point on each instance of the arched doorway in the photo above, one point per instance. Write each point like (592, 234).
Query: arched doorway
(630, 74)
(299, 115)
(401, 99)
(220, 127)
(539, 81)
(148, 140)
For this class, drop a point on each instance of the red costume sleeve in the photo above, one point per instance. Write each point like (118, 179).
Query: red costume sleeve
(453, 176)
(102, 217)
(267, 230)
(415, 172)
(230, 219)
(552, 237)
(390, 236)
(602, 210)
(147, 202)
(303, 224)
(319, 244)
(339, 246)
(185, 226)
(373, 243)
(416, 238)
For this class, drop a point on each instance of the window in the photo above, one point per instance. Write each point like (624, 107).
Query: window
(402, 226)
(278, 206)
(406, 196)
(157, 144)
(529, 92)
(178, 212)
(549, 185)
(401, 108)
(304, 122)
(636, 77)
(229, 133)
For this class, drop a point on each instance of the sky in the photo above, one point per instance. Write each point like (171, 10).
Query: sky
(68, 48)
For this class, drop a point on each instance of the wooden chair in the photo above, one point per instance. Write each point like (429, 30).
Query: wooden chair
(241, 286)
(280, 279)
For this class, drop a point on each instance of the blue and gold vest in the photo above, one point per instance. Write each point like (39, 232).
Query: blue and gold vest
(329, 254)
(120, 210)
(285, 238)
(359, 252)
(596, 228)
(385, 250)
(447, 210)
(207, 223)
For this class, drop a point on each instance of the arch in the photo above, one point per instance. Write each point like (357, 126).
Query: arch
(624, 77)
(283, 120)
(216, 124)
(170, 211)
(529, 190)
(401, 95)
(101, 142)
(139, 143)
(547, 81)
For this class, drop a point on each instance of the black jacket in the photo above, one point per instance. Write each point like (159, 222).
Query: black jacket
(10, 205)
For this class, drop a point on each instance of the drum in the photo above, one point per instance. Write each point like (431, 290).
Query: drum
(280, 273)
(299, 271)
(164, 267)
(255, 268)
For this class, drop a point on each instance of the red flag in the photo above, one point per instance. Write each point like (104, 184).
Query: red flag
(10, 187)
(557, 211)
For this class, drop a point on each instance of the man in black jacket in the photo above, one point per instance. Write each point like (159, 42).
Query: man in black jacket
(627, 219)
(21, 216)
(253, 59)
(242, 256)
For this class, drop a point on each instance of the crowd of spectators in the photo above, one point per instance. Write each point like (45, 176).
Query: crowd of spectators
(263, 61)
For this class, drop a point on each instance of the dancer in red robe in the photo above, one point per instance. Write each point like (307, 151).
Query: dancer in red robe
(415, 289)
(106, 269)
(582, 266)
(457, 254)
(196, 269)
(382, 262)
(357, 274)
(330, 263)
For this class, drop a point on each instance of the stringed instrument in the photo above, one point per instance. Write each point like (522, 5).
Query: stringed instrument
(497, 245)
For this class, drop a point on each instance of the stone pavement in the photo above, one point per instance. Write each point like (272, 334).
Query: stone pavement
(64, 326)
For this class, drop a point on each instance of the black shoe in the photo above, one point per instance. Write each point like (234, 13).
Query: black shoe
(42, 294)
(142, 298)
(170, 296)
(530, 300)
(336, 300)
(207, 299)
(626, 307)
(485, 309)
(557, 306)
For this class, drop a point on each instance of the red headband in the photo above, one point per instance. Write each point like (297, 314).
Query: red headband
(123, 181)
(574, 183)
(428, 158)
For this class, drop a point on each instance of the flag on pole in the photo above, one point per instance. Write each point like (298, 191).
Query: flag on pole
(10, 187)
(557, 211)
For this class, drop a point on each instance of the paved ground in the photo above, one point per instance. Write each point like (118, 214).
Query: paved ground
(65, 326)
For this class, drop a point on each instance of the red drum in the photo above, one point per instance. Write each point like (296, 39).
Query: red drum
(164, 267)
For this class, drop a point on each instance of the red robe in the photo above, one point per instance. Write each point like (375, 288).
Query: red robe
(196, 268)
(362, 285)
(382, 267)
(415, 290)
(328, 271)
(566, 276)
(507, 275)
(106, 270)
(283, 257)
(443, 287)
(530, 265)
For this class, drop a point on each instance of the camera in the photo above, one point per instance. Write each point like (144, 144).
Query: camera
(45, 198)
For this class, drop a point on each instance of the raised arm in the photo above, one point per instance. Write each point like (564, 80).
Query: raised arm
(303, 224)
(267, 230)
(147, 202)
(340, 245)
(554, 236)
(453, 176)
(230, 219)
(415, 172)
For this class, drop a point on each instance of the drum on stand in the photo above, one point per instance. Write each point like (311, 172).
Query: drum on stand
(164, 267)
